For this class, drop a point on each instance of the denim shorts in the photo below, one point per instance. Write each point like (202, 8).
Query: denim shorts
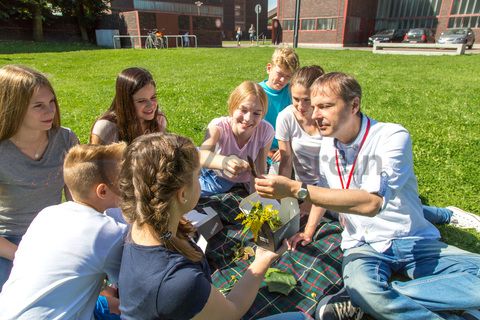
(211, 183)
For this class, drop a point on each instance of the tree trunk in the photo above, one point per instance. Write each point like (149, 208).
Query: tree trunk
(37, 22)
(81, 20)
(83, 31)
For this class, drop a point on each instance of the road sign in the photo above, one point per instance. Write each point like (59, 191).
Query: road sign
(258, 9)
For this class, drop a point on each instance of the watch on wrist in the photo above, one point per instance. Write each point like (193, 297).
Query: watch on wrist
(302, 193)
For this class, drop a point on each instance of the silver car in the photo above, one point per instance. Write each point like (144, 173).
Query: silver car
(460, 35)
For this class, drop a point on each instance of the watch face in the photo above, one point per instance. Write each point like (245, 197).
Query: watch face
(302, 193)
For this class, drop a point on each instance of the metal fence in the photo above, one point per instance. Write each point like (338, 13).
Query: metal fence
(136, 41)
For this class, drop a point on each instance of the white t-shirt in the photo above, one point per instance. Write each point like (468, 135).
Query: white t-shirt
(305, 148)
(61, 263)
(384, 166)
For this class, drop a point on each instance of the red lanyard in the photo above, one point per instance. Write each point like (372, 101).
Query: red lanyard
(354, 161)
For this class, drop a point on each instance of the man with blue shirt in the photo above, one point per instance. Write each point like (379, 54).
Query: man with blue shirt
(367, 175)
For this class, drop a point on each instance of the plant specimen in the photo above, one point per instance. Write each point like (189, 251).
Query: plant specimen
(257, 217)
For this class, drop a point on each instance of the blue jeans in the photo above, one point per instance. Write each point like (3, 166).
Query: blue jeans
(437, 215)
(211, 184)
(286, 316)
(5, 264)
(443, 278)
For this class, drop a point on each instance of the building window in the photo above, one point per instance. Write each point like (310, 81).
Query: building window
(409, 8)
(464, 22)
(326, 23)
(308, 24)
(288, 24)
(239, 10)
(465, 7)
(182, 8)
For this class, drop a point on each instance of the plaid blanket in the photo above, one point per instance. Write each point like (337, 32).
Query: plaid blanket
(316, 267)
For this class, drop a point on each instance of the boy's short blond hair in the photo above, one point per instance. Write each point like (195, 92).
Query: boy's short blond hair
(286, 58)
(86, 166)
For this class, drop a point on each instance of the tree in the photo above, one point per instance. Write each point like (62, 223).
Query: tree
(27, 9)
(85, 11)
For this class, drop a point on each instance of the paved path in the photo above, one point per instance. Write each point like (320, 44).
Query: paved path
(246, 44)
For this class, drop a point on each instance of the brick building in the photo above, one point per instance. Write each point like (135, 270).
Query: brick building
(350, 22)
(210, 20)
(137, 17)
(241, 13)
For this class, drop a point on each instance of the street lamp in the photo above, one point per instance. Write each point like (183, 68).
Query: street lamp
(198, 4)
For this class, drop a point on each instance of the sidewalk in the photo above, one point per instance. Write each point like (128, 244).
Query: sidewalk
(246, 44)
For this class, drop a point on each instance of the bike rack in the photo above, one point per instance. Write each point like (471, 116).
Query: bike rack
(176, 36)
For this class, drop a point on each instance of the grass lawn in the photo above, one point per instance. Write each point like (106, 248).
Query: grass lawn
(435, 97)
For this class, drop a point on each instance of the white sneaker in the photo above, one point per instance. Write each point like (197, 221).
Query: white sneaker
(464, 219)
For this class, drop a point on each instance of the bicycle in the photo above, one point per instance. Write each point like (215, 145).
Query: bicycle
(152, 41)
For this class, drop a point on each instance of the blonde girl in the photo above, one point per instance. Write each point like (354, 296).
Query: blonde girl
(32, 148)
(134, 110)
(163, 274)
(229, 141)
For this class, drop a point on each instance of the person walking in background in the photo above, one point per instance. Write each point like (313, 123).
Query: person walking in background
(251, 33)
(186, 40)
(238, 35)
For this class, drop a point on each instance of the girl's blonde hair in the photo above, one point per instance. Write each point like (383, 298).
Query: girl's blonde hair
(17, 85)
(245, 90)
(155, 167)
(122, 110)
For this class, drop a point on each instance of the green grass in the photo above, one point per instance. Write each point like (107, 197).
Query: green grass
(435, 97)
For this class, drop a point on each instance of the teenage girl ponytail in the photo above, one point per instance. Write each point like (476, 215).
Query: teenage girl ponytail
(155, 167)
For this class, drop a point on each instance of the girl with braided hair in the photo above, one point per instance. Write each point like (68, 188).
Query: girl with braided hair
(164, 275)
(134, 110)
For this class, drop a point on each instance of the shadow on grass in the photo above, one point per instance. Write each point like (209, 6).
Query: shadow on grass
(11, 47)
(466, 239)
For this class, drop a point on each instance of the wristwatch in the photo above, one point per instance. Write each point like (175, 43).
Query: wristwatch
(302, 193)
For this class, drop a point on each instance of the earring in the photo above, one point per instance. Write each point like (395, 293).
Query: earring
(184, 200)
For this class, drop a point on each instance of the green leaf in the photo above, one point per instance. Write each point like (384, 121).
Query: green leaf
(280, 281)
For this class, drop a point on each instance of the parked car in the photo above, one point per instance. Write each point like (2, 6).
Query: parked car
(419, 35)
(460, 35)
(388, 35)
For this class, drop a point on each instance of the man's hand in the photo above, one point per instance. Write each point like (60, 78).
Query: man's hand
(276, 187)
(303, 237)
(232, 166)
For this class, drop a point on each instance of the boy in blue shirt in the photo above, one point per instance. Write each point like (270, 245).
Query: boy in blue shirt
(284, 63)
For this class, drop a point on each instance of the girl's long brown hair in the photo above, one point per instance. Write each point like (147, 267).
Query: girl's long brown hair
(17, 86)
(155, 167)
(122, 110)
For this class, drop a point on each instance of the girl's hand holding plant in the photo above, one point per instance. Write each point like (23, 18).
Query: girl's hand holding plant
(269, 257)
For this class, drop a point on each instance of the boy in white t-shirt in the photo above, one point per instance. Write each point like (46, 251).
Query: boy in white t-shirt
(69, 249)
